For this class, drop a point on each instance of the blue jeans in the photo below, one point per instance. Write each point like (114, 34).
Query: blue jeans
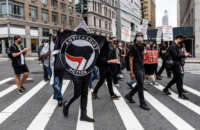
(93, 76)
(57, 86)
(132, 81)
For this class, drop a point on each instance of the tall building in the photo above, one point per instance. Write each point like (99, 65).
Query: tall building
(128, 18)
(33, 20)
(149, 12)
(100, 16)
(188, 15)
(165, 19)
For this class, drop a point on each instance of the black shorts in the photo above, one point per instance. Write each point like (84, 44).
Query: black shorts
(20, 69)
(150, 69)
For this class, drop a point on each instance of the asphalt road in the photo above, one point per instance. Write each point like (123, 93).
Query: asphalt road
(36, 110)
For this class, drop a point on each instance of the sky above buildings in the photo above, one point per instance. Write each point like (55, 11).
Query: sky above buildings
(171, 7)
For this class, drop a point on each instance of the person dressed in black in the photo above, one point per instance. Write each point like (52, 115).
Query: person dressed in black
(177, 56)
(136, 60)
(163, 51)
(105, 62)
(80, 89)
(17, 54)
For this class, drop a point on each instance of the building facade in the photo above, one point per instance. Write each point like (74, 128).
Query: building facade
(149, 12)
(34, 20)
(101, 17)
(129, 19)
(188, 15)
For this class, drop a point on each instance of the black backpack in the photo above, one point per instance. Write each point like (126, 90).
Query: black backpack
(169, 62)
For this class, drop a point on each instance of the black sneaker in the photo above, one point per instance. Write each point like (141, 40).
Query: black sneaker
(86, 118)
(145, 107)
(115, 97)
(23, 89)
(158, 77)
(19, 91)
(129, 98)
(94, 96)
(166, 91)
(60, 102)
(183, 97)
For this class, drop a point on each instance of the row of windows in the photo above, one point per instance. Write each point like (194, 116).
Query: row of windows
(16, 9)
(107, 24)
(97, 7)
(53, 2)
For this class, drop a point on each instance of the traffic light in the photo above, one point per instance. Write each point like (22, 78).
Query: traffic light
(85, 8)
(78, 8)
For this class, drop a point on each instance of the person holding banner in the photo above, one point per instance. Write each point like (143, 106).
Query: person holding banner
(151, 62)
(136, 59)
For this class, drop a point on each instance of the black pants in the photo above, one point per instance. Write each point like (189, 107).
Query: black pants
(104, 75)
(81, 89)
(178, 79)
(139, 75)
(162, 69)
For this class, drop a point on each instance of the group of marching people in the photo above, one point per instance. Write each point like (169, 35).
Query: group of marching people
(139, 58)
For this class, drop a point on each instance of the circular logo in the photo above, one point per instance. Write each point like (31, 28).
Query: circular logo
(78, 54)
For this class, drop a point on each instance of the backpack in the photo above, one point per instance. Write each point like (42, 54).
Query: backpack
(169, 62)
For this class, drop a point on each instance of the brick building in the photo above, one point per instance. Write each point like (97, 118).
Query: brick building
(34, 20)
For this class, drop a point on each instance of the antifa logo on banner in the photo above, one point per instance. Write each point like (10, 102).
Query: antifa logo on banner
(79, 53)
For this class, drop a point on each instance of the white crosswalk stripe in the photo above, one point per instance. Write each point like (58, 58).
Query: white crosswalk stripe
(7, 112)
(42, 118)
(8, 90)
(82, 125)
(175, 120)
(6, 80)
(195, 108)
(127, 115)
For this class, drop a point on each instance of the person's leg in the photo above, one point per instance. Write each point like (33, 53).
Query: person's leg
(91, 79)
(161, 68)
(25, 76)
(100, 83)
(109, 83)
(18, 81)
(45, 73)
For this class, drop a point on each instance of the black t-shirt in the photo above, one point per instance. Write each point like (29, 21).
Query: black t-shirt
(16, 61)
(138, 57)
(163, 48)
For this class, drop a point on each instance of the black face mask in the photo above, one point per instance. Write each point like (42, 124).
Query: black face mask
(19, 42)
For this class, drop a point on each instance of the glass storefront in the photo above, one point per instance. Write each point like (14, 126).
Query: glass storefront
(34, 45)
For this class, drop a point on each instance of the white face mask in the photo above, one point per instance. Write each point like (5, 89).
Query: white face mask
(139, 39)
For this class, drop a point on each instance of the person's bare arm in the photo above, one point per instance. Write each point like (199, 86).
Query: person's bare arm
(131, 67)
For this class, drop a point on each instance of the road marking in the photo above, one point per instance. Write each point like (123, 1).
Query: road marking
(186, 103)
(42, 118)
(6, 80)
(189, 89)
(8, 90)
(175, 120)
(7, 112)
(83, 125)
(127, 116)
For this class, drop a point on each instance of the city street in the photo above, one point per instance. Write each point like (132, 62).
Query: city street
(36, 109)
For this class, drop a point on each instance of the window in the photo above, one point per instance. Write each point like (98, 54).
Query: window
(44, 2)
(34, 45)
(132, 27)
(106, 24)
(63, 7)
(33, 12)
(71, 20)
(54, 3)
(45, 32)
(110, 14)
(110, 26)
(16, 9)
(99, 23)
(113, 15)
(95, 6)
(70, 1)
(113, 2)
(45, 16)
(70, 9)
(63, 20)
(105, 11)
(55, 18)
(3, 8)
(94, 21)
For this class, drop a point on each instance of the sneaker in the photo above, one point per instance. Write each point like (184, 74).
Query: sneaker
(129, 98)
(115, 97)
(19, 91)
(86, 118)
(158, 77)
(185, 92)
(60, 102)
(23, 89)
(183, 97)
(94, 96)
(144, 107)
(166, 91)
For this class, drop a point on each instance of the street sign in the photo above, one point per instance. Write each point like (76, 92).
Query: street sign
(167, 33)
